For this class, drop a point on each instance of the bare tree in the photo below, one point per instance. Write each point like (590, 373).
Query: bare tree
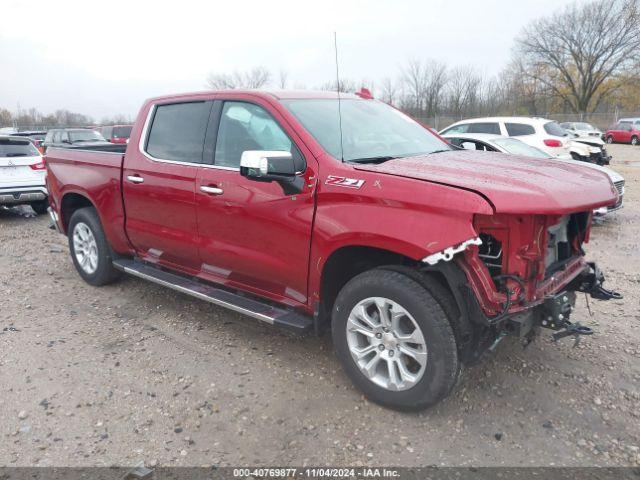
(424, 83)
(283, 77)
(415, 81)
(6, 118)
(389, 91)
(252, 79)
(463, 91)
(345, 85)
(583, 53)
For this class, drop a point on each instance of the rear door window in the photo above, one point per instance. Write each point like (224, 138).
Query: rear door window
(519, 129)
(484, 127)
(177, 132)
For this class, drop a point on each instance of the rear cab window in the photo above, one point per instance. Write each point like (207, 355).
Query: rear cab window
(519, 129)
(177, 132)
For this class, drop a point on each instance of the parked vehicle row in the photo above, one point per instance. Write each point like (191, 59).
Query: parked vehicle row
(419, 256)
(547, 135)
(117, 134)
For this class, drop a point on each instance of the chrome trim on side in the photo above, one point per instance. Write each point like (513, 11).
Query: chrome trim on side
(447, 254)
(143, 140)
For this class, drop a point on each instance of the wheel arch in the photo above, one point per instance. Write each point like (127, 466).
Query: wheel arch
(70, 203)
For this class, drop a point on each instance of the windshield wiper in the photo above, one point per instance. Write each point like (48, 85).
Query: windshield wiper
(379, 159)
(441, 151)
(16, 155)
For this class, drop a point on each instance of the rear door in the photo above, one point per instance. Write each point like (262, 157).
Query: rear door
(158, 184)
(253, 235)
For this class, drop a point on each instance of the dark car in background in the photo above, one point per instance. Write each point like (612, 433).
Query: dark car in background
(36, 137)
(73, 137)
(115, 133)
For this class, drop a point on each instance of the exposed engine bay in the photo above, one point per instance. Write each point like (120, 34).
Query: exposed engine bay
(529, 268)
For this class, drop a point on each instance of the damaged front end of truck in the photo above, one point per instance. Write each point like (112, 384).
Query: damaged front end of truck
(520, 274)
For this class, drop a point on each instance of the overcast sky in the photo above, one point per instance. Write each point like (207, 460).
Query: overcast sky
(105, 58)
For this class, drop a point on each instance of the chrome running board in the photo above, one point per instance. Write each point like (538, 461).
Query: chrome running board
(247, 306)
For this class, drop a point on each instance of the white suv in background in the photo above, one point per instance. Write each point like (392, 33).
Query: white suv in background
(544, 134)
(22, 174)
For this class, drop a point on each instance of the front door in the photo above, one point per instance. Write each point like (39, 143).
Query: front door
(253, 235)
(158, 181)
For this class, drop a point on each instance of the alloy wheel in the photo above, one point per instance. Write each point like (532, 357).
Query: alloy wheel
(386, 343)
(85, 248)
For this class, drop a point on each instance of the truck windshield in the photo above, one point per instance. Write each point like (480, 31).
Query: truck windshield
(371, 130)
(85, 136)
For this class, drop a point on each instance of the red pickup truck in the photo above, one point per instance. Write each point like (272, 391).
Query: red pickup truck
(308, 210)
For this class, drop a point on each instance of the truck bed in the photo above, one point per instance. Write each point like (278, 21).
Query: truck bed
(94, 174)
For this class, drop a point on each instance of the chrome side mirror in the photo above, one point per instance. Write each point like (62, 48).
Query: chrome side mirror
(272, 166)
(266, 163)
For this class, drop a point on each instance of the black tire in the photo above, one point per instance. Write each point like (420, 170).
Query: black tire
(442, 367)
(575, 156)
(40, 207)
(104, 273)
(609, 139)
(634, 140)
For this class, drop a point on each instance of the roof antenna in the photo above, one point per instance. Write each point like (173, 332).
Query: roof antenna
(335, 45)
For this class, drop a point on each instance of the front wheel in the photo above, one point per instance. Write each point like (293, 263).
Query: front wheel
(89, 248)
(609, 139)
(634, 140)
(394, 340)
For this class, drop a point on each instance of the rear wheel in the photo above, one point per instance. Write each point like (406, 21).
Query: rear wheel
(395, 340)
(634, 140)
(90, 251)
(40, 207)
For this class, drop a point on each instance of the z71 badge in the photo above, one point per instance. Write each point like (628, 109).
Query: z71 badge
(344, 182)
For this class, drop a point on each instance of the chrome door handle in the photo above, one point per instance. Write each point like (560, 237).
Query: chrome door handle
(212, 190)
(135, 179)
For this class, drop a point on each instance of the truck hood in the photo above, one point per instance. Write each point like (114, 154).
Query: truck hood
(512, 183)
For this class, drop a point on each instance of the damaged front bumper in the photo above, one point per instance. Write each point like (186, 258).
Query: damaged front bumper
(555, 310)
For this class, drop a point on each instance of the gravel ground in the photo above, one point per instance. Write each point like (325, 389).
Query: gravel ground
(134, 372)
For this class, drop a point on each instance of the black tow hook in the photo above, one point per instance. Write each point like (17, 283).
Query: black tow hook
(592, 284)
(573, 330)
(600, 293)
